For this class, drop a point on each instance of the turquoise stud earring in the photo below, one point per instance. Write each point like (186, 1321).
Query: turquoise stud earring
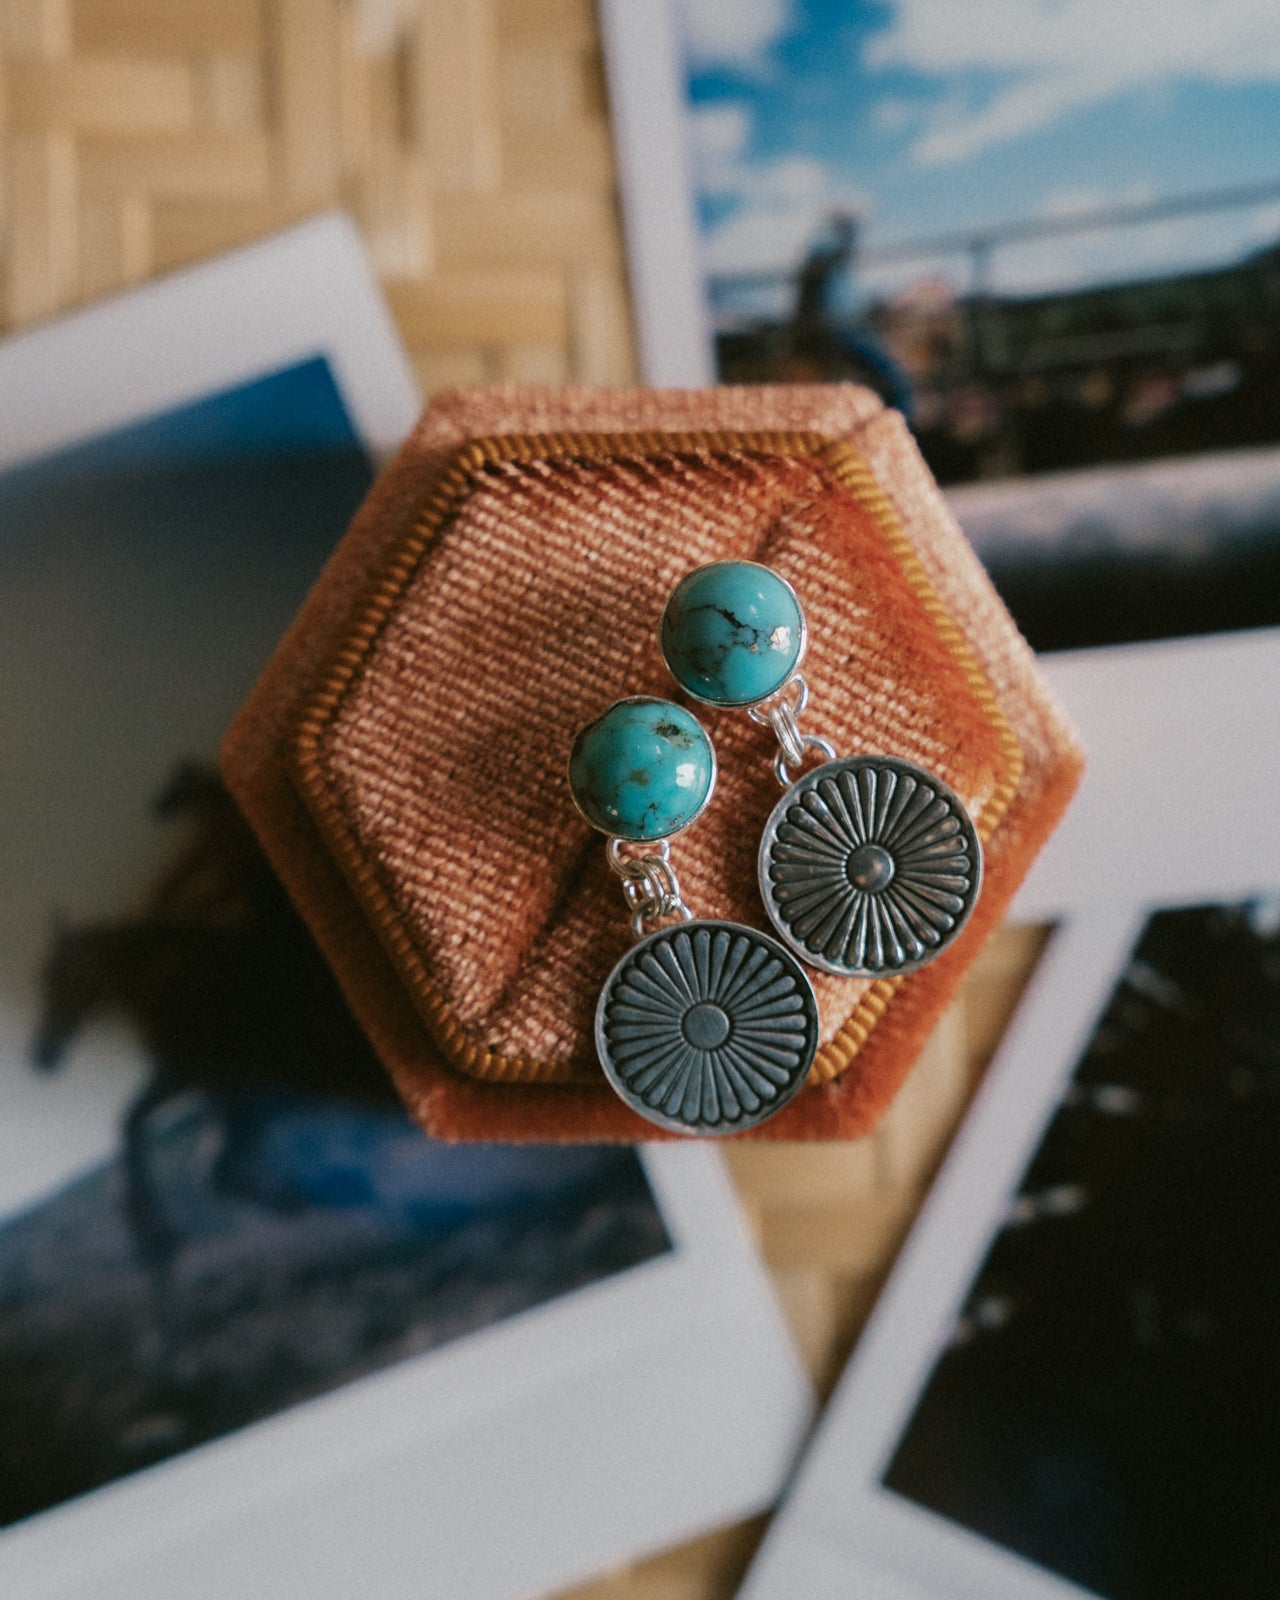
(704, 1026)
(642, 771)
(733, 633)
(869, 866)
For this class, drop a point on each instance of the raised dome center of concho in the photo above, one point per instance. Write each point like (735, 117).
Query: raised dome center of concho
(705, 1026)
(870, 868)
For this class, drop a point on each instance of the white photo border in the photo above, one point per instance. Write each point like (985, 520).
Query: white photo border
(648, 106)
(306, 291)
(842, 1531)
(644, 1409)
(1182, 742)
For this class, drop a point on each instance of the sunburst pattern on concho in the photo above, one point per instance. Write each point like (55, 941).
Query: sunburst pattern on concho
(707, 1027)
(869, 866)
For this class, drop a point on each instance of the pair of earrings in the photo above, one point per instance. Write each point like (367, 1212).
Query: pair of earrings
(868, 866)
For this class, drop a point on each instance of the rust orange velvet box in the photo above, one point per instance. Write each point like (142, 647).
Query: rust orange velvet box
(403, 758)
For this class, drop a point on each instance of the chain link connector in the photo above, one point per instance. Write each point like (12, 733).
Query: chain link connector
(808, 741)
(782, 712)
(649, 884)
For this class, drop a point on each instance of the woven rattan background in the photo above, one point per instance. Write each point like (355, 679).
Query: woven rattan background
(470, 138)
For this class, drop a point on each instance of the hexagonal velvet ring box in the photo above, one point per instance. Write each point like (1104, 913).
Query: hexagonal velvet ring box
(403, 758)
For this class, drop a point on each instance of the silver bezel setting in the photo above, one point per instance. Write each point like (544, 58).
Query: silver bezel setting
(845, 806)
(749, 984)
(753, 700)
(609, 833)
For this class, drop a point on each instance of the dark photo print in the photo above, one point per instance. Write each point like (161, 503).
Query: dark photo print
(1109, 1402)
(1115, 555)
(214, 1206)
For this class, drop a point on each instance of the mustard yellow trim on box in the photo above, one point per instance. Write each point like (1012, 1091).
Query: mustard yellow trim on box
(853, 473)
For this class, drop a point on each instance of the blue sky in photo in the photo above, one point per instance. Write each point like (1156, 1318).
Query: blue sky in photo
(930, 115)
(297, 409)
(147, 574)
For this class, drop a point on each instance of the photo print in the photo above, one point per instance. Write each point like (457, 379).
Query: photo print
(1049, 235)
(212, 1204)
(257, 1330)
(1067, 1389)
(1105, 1403)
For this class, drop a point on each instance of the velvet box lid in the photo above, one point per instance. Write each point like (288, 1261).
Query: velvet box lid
(402, 758)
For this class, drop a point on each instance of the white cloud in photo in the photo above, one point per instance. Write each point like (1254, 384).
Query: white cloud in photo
(1072, 261)
(1264, 225)
(1075, 201)
(1145, 249)
(1078, 200)
(733, 33)
(776, 205)
(721, 131)
(891, 115)
(1172, 244)
(773, 231)
(1063, 55)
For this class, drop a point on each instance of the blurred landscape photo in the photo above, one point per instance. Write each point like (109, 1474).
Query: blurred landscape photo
(1048, 234)
(212, 1204)
(1106, 1401)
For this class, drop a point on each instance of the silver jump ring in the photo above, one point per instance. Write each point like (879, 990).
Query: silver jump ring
(782, 712)
(796, 686)
(652, 883)
(783, 721)
(672, 908)
(649, 883)
(624, 865)
(808, 741)
(643, 889)
(654, 898)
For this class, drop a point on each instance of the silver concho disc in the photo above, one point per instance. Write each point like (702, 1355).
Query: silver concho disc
(707, 1027)
(869, 867)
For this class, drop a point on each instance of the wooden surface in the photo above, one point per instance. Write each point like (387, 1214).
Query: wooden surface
(470, 138)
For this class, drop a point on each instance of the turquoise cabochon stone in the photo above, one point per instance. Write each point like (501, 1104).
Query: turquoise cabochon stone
(732, 633)
(643, 770)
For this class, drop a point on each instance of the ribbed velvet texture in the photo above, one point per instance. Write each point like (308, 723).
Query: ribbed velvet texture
(428, 837)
